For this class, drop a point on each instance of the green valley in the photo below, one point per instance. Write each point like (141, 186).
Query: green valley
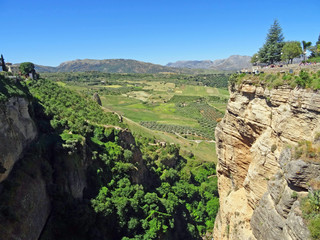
(181, 109)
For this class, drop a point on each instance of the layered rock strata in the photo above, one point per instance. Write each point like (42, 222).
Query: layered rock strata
(258, 126)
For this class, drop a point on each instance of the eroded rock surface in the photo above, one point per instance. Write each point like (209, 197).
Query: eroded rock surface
(258, 125)
(278, 214)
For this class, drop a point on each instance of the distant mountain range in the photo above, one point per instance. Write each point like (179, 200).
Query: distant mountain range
(107, 65)
(132, 66)
(232, 63)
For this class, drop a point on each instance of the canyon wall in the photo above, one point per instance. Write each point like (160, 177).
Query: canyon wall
(17, 130)
(258, 178)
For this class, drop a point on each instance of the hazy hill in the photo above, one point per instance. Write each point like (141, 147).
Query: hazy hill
(206, 64)
(40, 68)
(234, 62)
(114, 66)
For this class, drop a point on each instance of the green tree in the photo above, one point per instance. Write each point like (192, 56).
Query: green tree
(305, 46)
(255, 59)
(3, 64)
(315, 50)
(291, 50)
(271, 50)
(26, 68)
(127, 154)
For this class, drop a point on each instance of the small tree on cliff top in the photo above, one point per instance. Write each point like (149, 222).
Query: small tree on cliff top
(26, 68)
(291, 50)
(271, 50)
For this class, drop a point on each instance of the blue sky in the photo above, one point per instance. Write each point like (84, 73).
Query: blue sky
(48, 32)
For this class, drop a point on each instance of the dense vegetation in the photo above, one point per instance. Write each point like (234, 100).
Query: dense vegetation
(304, 79)
(311, 212)
(68, 109)
(10, 88)
(176, 204)
(136, 188)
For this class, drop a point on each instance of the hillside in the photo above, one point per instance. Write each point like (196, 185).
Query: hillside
(232, 63)
(115, 66)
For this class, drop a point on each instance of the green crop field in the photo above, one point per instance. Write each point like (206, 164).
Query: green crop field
(185, 113)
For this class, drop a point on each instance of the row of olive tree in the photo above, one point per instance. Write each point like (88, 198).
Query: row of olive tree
(275, 49)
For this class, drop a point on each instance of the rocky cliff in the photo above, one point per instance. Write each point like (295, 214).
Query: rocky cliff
(17, 130)
(260, 181)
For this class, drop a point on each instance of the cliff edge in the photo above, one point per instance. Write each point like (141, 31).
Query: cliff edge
(260, 180)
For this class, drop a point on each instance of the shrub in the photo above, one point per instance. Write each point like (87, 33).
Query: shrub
(314, 228)
(310, 207)
(127, 154)
(298, 153)
(304, 79)
(294, 195)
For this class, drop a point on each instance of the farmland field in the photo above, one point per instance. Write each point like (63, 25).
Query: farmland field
(184, 113)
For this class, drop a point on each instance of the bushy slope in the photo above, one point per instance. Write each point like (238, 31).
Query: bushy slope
(10, 88)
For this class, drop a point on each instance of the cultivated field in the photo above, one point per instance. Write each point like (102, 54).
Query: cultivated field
(184, 114)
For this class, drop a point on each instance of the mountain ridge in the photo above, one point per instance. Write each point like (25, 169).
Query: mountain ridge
(106, 65)
(232, 63)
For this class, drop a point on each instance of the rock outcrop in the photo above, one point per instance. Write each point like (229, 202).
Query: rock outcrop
(278, 214)
(17, 130)
(255, 186)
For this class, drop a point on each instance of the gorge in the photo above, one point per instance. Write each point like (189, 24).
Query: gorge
(70, 170)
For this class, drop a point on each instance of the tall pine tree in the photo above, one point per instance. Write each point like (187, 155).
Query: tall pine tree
(271, 50)
(3, 64)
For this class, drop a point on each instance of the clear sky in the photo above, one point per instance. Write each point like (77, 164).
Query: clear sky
(49, 32)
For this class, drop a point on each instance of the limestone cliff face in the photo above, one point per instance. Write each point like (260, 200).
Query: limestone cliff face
(17, 130)
(258, 126)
